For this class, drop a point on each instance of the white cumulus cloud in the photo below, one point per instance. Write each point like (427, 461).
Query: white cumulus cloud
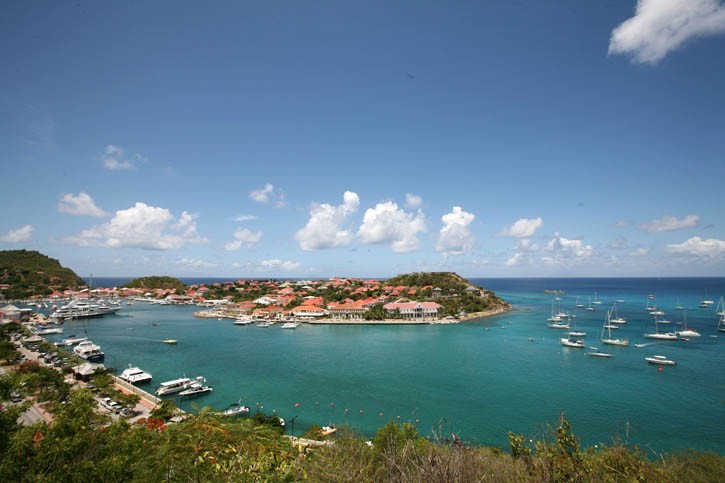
(523, 227)
(276, 263)
(20, 235)
(142, 226)
(194, 263)
(670, 223)
(241, 218)
(325, 228)
(710, 248)
(269, 194)
(661, 26)
(244, 237)
(563, 250)
(80, 205)
(412, 201)
(455, 238)
(387, 223)
(522, 251)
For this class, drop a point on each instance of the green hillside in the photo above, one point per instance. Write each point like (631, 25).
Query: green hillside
(31, 273)
(157, 282)
(443, 280)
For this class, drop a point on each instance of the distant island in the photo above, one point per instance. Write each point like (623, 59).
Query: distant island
(28, 273)
(157, 282)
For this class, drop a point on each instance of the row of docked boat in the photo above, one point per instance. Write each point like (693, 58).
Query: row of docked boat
(264, 323)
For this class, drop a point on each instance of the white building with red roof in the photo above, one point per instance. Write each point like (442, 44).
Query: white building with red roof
(413, 310)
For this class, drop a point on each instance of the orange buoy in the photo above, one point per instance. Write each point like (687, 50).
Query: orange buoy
(297, 405)
(398, 417)
(380, 414)
(417, 420)
(361, 411)
(659, 368)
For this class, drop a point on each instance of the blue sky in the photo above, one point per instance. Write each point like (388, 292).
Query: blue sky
(312, 139)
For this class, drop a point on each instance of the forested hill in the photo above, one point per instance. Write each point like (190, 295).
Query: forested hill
(443, 280)
(157, 282)
(29, 273)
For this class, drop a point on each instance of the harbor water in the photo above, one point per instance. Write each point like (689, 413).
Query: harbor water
(479, 379)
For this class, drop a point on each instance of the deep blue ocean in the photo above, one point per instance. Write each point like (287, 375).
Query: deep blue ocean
(479, 379)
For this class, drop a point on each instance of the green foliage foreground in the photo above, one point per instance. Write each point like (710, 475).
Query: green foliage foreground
(81, 445)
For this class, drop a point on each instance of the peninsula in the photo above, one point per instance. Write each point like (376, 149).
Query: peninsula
(418, 298)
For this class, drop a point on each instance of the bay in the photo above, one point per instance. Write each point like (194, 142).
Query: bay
(478, 379)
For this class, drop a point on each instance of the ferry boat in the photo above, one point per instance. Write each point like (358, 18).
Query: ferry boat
(660, 360)
(173, 386)
(69, 341)
(134, 375)
(89, 351)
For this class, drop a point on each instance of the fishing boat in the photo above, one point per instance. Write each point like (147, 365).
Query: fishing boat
(173, 386)
(660, 360)
(134, 375)
(608, 328)
(198, 386)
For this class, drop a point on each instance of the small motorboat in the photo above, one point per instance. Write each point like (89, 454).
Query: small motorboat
(660, 360)
(236, 409)
(170, 341)
(572, 343)
(599, 354)
(134, 375)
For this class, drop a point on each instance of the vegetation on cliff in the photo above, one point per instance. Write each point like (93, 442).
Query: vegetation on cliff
(30, 273)
(155, 282)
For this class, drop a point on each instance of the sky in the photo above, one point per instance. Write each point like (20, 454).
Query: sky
(260, 139)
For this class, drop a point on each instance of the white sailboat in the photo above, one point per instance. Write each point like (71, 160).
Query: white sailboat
(590, 308)
(617, 319)
(608, 328)
(721, 312)
(661, 335)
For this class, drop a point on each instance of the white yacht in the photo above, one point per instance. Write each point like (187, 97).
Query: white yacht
(687, 332)
(134, 375)
(89, 351)
(290, 325)
(236, 409)
(660, 360)
(197, 386)
(173, 386)
(242, 320)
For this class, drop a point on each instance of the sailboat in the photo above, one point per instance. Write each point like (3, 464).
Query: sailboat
(590, 308)
(687, 332)
(679, 307)
(617, 319)
(579, 305)
(556, 321)
(721, 312)
(661, 335)
(705, 303)
(608, 328)
(596, 301)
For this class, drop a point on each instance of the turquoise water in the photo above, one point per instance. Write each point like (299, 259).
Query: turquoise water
(478, 379)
